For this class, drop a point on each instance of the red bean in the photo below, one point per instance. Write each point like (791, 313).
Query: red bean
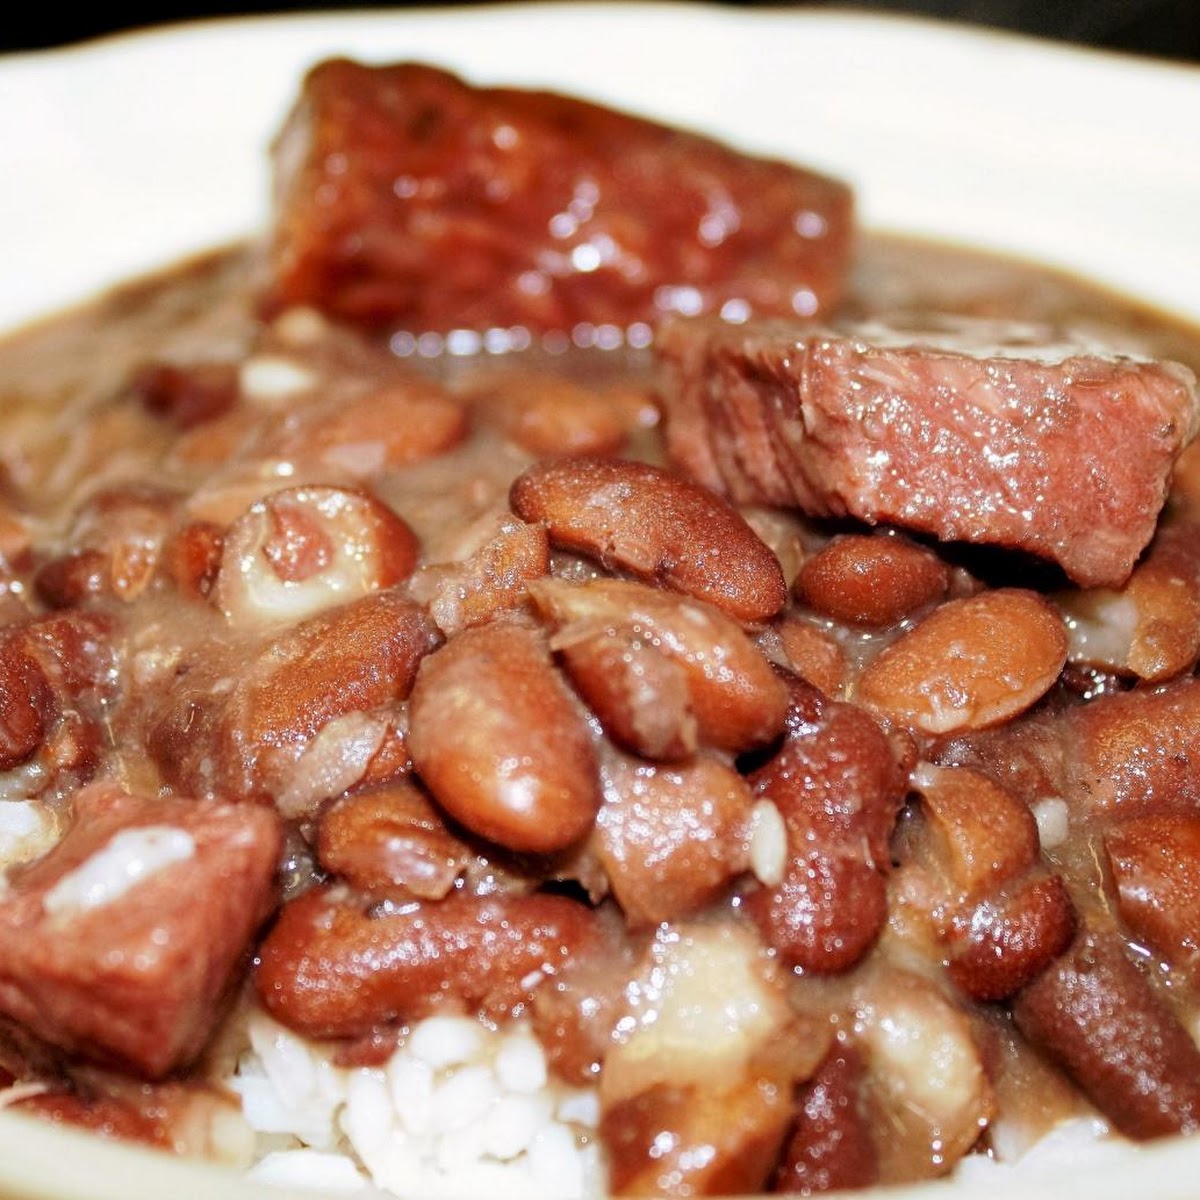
(657, 526)
(391, 842)
(1094, 1014)
(971, 663)
(737, 701)
(831, 1146)
(329, 969)
(670, 838)
(1153, 862)
(26, 705)
(838, 788)
(497, 738)
(871, 581)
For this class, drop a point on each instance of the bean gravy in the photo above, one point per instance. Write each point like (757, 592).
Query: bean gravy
(99, 473)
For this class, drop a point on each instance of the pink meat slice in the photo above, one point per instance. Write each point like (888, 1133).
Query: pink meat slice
(976, 431)
(134, 976)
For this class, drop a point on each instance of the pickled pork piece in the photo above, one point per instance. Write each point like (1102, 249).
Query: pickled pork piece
(982, 431)
(120, 944)
(406, 198)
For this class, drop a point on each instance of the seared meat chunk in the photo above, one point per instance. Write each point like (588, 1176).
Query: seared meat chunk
(406, 198)
(120, 944)
(981, 432)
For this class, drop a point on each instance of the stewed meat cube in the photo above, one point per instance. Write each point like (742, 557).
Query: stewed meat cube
(407, 198)
(982, 431)
(120, 944)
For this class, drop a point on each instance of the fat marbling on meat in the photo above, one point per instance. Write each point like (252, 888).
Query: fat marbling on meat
(979, 431)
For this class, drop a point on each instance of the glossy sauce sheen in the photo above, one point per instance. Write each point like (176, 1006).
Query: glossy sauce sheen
(444, 595)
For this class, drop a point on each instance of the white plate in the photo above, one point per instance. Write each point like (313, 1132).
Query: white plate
(121, 156)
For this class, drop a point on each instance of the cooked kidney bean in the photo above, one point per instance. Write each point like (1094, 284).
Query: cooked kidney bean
(360, 436)
(303, 549)
(971, 663)
(681, 1141)
(236, 726)
(575, 1013)
(547, 414)
(981, 834)
(872, 581)
(814, 655)
(657, 526)
(214, 444)
(191, 557)
(56, 676)
(999, 918)
(1094, 1013)
(838, 788)
(498, 740)
(737, 701)
(27, 704)
(392, 843)
(831, 1146)
(642, 696)
(186, 395)
(1153, 862)
(670, 838)
(825, 912)
(116, 542)
(1008, 939)
(330, 969)
(391, 761)
(1123, 755)
(1150, 627)
(72, 579)
(79, 653)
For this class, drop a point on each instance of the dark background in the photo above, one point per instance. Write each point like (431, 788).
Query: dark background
(1164, 28)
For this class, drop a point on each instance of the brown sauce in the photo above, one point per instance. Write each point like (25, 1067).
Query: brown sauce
(73, 427)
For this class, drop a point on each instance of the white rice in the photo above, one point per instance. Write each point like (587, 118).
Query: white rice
(458, 1109)
(129, 857)
(1082, 1143)
(461, 1109)
(27, 830)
